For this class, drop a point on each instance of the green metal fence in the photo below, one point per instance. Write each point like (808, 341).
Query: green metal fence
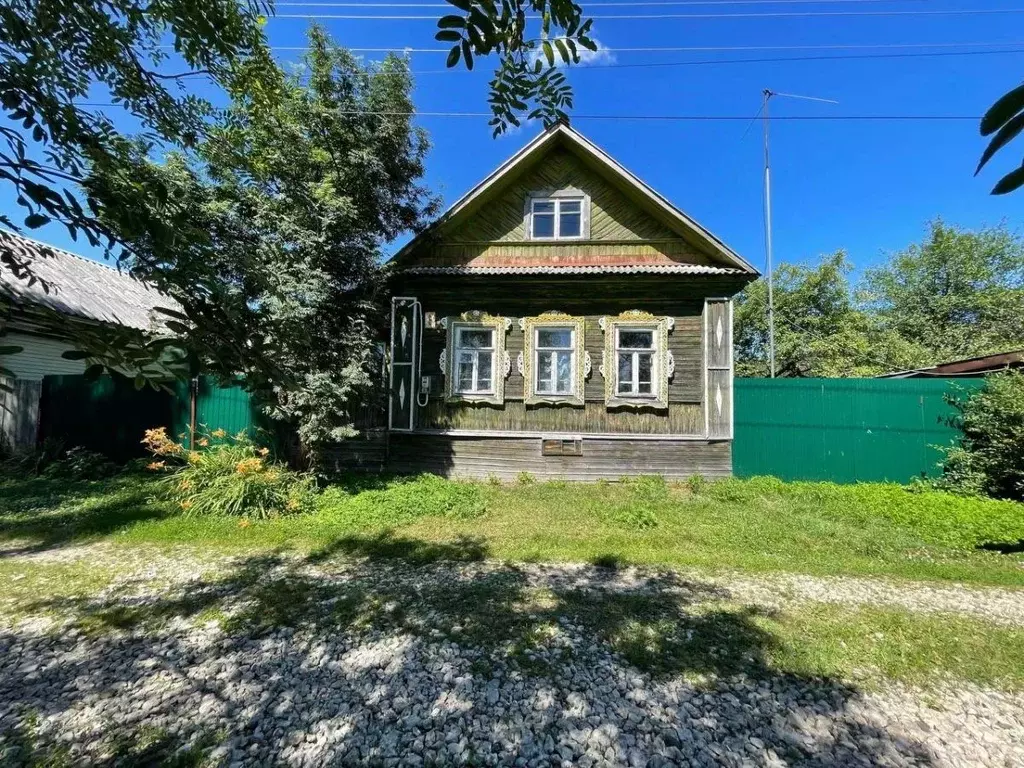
(844, 430)
(109, 414)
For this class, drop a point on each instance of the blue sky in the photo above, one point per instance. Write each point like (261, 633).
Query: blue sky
(867, 187)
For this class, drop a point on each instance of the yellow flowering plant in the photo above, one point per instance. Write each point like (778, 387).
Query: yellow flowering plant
(228, 475)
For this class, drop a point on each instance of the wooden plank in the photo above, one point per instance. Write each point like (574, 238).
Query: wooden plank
(507, 457)
(19, 414)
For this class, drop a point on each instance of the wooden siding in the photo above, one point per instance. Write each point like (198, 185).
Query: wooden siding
(612, 215)
(524, 253)
(40, 357)
(686, 386)
(19, 414)
(593, 417)
(505, 458)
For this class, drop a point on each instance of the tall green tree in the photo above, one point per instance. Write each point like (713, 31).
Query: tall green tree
(819, 329)
(271, 237)
(957, 294)
(57, 56)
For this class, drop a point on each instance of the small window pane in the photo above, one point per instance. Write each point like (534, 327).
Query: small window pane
(644, 388)
(569, 225)
(625, 373)
(570, 206)
(544, 206)
(484, 368)
(465, 376)
(544, 373)
(644, 365)
(560, 338)
(474, 339)
(636, 339)
(564, 383)
(543, 225)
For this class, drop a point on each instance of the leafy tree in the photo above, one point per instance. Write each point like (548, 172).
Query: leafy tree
(527, 76)
(55, 55)
(990, 458)
(958, 294)
(271, 235)
(819, 330)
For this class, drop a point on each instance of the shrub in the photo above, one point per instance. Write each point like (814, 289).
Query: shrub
(80, 463)
(228, 475)
(646, 494)
(404, 501)
(990, 457)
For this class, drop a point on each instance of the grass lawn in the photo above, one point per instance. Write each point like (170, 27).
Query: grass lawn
(750, 525)
(759, 525)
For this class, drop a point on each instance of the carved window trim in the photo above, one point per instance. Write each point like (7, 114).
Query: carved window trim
(502, 364)
(581, 358)
(664, 360)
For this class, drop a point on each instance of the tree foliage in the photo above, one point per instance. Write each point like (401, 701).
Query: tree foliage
(56, 55)
(527, 78)
(1003, 122)
(271, 237)
(990, 458)
(957, 294)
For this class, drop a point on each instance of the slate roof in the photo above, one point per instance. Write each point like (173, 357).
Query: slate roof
(79, 287)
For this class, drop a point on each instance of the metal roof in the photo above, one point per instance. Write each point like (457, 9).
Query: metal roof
(80, 287)
(578, 269)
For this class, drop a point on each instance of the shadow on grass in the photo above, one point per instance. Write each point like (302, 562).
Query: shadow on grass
(1003, 547)
(51, 512)
(322, 653)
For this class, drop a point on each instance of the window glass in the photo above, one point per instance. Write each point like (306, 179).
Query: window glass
(474, 339)
(630, 339)
(635, 362)
(474, 359)
(554, 354)
(556, 218)
(554, 337)
(570, 218)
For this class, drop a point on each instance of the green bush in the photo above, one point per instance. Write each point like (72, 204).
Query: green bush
(647, 494)
(80, 463)
(229, 475)
(990, 457)
(403, 501)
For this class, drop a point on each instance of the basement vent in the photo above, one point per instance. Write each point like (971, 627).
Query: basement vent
(560, 447)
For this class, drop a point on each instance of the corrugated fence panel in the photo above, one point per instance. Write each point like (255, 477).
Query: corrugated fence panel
(109, 415)
(844, 430)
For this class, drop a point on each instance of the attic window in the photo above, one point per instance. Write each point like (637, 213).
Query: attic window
(556, 218)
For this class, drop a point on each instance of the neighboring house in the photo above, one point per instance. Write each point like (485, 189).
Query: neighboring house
(40, 316)
(563, 319)
(972, 366)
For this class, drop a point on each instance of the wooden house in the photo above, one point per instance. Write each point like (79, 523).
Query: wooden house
(563, 319)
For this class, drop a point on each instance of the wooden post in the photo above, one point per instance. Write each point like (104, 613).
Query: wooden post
(193, 396)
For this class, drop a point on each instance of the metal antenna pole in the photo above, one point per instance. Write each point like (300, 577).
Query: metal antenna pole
(768, 215)
(768, 235)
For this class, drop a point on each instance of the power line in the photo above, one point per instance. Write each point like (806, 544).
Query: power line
(692, 48)
(664, 16)
(624, 4)
(684, 118)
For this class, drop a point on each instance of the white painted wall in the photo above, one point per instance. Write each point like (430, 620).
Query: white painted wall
(41, 356)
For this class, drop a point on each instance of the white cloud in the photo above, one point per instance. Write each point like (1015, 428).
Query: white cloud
(588, 58)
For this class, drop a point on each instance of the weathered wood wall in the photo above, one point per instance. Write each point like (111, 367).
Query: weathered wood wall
(505, 458)
(19, 414)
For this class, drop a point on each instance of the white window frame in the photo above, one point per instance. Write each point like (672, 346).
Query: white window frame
(553, 351)
(557, 202)
(635, 352)
(476, 352)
